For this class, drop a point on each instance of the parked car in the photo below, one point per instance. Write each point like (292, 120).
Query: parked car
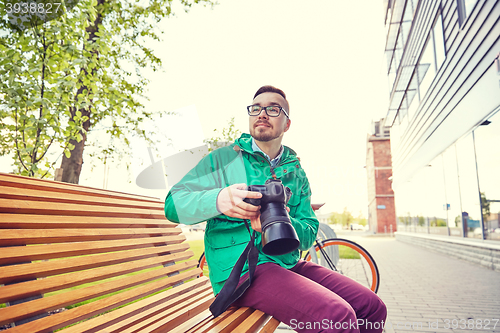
(356, 226)
(477, 231)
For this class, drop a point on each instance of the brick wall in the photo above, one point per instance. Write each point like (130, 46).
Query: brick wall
(380, 193)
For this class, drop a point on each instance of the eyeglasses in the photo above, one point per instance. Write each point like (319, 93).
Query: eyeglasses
(271, 111)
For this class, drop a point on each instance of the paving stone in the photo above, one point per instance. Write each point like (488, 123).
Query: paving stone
(421, 286)
(418, 284)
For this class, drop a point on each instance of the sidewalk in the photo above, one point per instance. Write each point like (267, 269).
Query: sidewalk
(431, 292)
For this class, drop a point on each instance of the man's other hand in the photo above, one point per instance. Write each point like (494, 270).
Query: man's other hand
(230, 202)
(256, 221)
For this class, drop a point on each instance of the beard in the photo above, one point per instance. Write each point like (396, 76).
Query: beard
(264, 136)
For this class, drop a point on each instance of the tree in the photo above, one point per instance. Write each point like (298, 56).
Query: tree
(228, 136)
(485, 206)
(335, 218)
(421, 221)
(60, 79)
(345, 218)
(361, 220)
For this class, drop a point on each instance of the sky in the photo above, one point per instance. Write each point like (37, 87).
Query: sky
(326, 55)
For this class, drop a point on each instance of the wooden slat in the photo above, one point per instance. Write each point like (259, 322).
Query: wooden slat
(39, 306)
(270, 326)
(14, 193)
(232, 321)
(253, 323)
(209, 325)
(51, 208)
(195, 322)
(32, 221)
(25, 272)
(42, 184)
(37, 287)
(17, 237)
(179, 314)
(205, 322)
(88, 310)
(22, 254)
(132, 313)
(226, 322)
(166, 312)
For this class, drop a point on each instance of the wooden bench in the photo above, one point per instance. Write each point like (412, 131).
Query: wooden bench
(62, 245)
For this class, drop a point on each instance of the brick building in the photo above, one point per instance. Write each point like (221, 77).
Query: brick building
(381, 210)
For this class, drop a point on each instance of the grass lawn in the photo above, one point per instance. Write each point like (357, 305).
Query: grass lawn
(348, 253)
(198, 247)
(345, 252)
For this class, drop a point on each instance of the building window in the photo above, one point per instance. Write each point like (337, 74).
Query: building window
(392, 75)
(452, 204)
(407, 19)
(426, 67)
(465, 8)
(432, 59)
(412, 97)
(487, 154)
(394, 57)
(439, 48)
(468, 187)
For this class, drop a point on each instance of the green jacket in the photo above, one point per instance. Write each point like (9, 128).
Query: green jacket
(193, 200)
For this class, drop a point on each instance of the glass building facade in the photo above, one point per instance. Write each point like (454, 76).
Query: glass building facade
(443, 71)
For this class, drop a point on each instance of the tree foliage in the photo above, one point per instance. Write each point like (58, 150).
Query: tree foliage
(60, 79)
(345, 218)
(485, 205)
(228, 135)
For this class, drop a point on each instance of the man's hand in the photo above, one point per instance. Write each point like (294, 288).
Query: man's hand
(256, 221)
(230, 202)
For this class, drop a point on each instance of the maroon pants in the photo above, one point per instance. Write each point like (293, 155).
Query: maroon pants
(312, 298)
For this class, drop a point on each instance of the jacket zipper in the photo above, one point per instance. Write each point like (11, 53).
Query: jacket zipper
(273, 174)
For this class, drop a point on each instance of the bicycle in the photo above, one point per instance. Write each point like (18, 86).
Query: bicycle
(341, 255)
(348, 258)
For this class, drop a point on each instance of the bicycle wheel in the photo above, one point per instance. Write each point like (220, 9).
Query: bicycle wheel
(349, 259)
(203, 265)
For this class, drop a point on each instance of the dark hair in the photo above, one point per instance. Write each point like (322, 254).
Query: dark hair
(272, 89)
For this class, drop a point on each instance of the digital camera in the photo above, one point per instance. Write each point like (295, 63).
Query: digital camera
(278, 235)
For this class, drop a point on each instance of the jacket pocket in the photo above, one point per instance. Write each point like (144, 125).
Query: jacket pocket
(223, 248)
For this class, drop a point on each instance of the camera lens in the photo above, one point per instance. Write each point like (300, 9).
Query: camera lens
(278, 235)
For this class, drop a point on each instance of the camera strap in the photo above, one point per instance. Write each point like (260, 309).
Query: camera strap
(230, 292)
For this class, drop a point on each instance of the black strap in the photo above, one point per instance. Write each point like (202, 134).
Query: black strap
(230, 292)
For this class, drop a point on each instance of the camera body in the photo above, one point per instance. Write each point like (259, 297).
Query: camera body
(278, 235)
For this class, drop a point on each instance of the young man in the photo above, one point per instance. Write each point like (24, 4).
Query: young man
(306, 296)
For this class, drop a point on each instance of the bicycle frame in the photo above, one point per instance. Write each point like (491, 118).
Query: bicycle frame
(320, 244)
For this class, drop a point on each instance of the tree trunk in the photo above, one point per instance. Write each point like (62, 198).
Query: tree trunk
(72, 166)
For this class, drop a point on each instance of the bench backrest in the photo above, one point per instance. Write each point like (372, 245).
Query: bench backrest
(89, 251)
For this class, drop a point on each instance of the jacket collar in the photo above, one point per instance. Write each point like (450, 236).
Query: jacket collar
(244, 142)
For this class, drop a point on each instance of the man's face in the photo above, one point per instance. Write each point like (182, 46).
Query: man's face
(265, 128)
